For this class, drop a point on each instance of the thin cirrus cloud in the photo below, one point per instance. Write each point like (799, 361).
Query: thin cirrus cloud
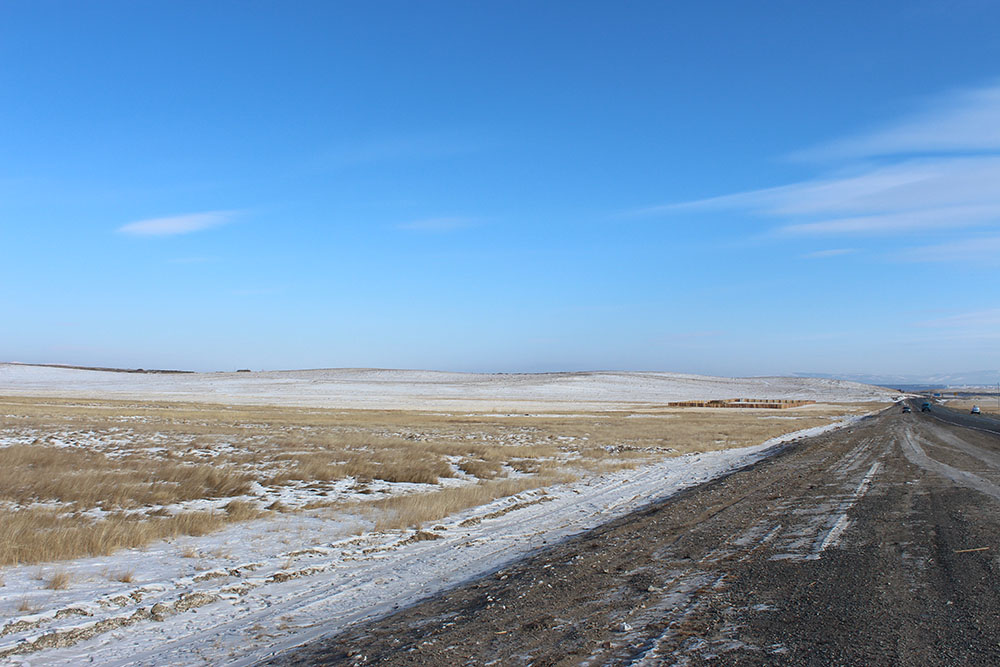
(989, 317)
(979, 325)
(427, 146)
(935, 171)
(178, 224)
(832, 252)
(946, 217)
(913, 194)
(974, 250)
(963, 121)
(444, 224)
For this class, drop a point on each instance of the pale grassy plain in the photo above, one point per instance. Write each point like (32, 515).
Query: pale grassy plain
(88, 477)
(987, 404)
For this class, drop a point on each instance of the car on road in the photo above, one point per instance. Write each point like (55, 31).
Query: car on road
(974, 410)
(906, 408)
(925, 407)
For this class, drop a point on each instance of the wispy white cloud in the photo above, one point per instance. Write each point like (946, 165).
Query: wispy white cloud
(974, 327)
(962, 121)
(953, 217)
(987, 318)
(257, 291)
(445, 224)
(178, 224)
(919, 194)
(975, 250)
(832, 252)
(679, 336)
(426, 146)
(938, 170)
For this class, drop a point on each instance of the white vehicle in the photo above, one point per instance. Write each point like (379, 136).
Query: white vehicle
(975, 410)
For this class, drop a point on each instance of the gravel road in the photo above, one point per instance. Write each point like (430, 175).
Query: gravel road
(874, 545)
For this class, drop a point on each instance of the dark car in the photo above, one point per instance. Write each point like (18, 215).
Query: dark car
(926, 407)
(906, 408)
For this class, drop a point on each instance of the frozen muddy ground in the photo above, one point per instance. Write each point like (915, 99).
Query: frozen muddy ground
(424, 390)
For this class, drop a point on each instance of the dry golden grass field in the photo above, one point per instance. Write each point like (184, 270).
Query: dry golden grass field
(987, 404)
(88, 477)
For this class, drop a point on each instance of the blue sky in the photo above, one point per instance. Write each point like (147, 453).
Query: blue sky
(714, 187)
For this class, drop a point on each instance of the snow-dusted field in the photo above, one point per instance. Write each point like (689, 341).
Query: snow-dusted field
(262, 587)
(424, 390)
(253, 588)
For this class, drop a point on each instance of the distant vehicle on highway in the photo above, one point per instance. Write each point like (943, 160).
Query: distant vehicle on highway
(906, 408)
(974, 410)
(925, 407)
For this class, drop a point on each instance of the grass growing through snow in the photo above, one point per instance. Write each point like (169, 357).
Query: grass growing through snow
(418, 509)
(81, 477)
(58, 581)
(36, 536)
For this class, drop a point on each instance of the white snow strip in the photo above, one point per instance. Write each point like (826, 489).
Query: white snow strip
(832, 538)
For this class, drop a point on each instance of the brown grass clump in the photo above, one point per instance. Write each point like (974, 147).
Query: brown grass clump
(481, 469)
(38, 536)
(385, 459)
(38, 473)
(242, 510)
(58, 581)
(125, 576)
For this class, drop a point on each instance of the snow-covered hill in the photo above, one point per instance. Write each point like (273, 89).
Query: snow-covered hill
(413, 389)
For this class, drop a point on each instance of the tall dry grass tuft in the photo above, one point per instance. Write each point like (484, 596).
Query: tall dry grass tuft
(58, 581)
(124, 576)
(39, 536)
(390, 462)
(480, 469)
(242, 510)
(36, 473)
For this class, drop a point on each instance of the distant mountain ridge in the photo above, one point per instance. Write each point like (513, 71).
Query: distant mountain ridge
(965, 379)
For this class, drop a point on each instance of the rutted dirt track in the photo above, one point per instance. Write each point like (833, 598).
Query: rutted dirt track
(879, 544)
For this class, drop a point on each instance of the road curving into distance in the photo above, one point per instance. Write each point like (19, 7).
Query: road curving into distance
(874, 545)
(982, 422)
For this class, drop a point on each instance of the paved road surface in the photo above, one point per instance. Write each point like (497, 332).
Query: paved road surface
(875, 545)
